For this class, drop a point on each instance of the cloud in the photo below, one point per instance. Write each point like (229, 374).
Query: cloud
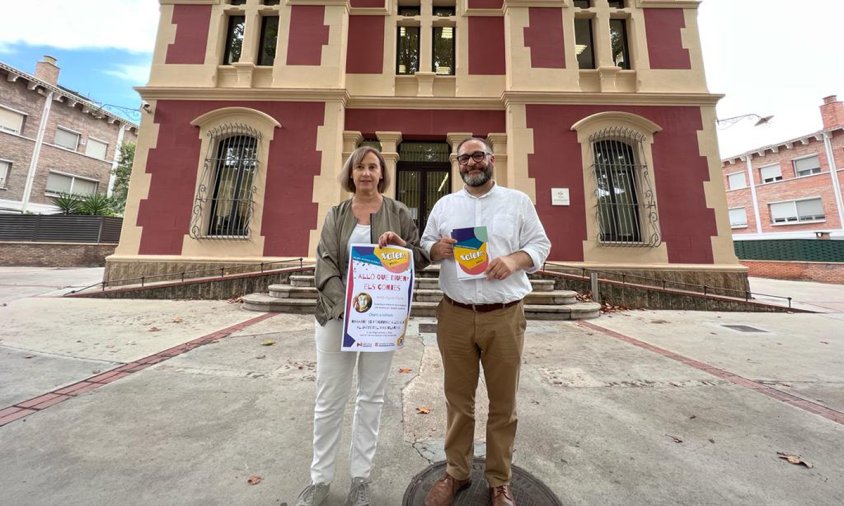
(87, 24)
(134, 74)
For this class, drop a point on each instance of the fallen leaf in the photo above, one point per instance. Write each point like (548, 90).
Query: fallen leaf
(259, 357)
(824, 342)
(692, 417)
(177, 320)
(254, 479)
(424, 410)
(794, 459)
(29, 356)
(268, 342)
(659, 321)
(405, 370)
(154, 329)
(675, 438)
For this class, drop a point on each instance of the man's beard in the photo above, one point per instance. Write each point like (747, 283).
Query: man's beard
(477, 179)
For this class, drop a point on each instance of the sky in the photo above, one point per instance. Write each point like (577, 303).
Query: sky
(767, 57)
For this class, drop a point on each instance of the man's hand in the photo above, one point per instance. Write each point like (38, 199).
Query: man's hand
(504, 267)
(391, 238)
(442, 249)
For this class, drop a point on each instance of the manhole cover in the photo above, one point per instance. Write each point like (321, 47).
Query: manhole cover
(428, 328)
(527, 490)
(744, 328)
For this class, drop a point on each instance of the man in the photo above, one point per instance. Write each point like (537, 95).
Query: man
(482, 321)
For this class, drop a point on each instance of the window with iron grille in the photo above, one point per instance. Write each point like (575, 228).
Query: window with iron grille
(224, 201)
(626, 209)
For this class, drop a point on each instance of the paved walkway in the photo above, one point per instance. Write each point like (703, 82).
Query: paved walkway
(180, 402)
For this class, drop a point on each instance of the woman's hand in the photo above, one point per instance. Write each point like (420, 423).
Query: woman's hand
(391, 238)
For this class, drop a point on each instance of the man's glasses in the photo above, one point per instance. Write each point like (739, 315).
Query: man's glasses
(477, 156)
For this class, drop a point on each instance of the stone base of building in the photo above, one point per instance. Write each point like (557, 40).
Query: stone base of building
(824, 272)
(706, 279)
(55, 254)
(125, 270)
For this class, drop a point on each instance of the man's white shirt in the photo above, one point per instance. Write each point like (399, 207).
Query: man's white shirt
(512, 225)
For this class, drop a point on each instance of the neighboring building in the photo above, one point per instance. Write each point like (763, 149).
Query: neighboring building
(792, 189)
(597, 109)
(52, 140)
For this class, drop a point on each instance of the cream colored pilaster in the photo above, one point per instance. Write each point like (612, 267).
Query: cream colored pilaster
(502, 168)
(351, 140)
(453, 140)
(390, 151)
(332, 142)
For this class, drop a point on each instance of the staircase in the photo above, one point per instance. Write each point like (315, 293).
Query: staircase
(543, 303)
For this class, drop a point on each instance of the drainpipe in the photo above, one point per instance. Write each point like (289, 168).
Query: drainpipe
(36, 152)
(833, 172)
(115, 159)
(752, 183)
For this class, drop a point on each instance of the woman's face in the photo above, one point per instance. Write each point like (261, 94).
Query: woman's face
(367, 174)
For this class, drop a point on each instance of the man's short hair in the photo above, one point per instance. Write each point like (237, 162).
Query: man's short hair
(484, 141)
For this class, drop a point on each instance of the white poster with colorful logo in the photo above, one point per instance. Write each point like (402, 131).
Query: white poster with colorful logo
(378, 296)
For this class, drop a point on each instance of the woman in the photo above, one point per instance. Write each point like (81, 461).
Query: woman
(367, 218)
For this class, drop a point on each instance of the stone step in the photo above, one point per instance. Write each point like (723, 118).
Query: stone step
(576, 311)
(292, 292)
(428, 283)
(539, 285)
(555, 297)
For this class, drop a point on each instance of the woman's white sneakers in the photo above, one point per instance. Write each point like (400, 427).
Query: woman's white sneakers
(313, 495)
(358, 493)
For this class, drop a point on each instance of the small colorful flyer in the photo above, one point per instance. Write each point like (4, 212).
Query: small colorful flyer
(470, 252)
(378, 296)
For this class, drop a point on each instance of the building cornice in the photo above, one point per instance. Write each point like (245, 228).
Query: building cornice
(580, 98)
(268, 94)
(462, 103)
(61, 95)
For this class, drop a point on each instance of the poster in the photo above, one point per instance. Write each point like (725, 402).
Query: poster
(378, 296)
(470, 252)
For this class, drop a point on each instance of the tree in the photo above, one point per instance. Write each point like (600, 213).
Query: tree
(122, 173)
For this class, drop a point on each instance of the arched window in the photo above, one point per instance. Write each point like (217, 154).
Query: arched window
(626, 209)
(224, 201)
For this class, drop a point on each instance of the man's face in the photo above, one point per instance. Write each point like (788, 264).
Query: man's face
(474, 172)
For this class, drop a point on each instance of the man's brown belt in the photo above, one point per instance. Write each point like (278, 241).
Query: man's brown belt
(481, 308)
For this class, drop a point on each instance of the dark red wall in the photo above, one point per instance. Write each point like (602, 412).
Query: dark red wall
(544, 38)
(366, 3)
(424, 124)
(289, 214)
(665, 46)
(308, 33)
(486, 46)
(365, 53)
(679, 173)
(485, 4)
(192, 22)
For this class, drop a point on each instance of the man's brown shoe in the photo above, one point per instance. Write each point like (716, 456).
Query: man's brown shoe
(444, 490)
(501, 495)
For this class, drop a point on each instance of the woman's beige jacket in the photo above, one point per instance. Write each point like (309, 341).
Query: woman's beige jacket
(332, 258)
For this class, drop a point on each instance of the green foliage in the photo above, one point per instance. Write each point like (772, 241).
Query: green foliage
(69, 204)
(122, 173)
(96, 204)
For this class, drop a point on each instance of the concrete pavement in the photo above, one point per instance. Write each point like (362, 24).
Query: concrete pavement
(634, 408)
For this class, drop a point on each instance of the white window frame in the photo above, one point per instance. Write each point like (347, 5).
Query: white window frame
(73, 177)
(730, 183)
(797, 220)
(68, 130)
(5, 169)
(770, 179)
(23, 116)
(738, 225)
(99, 141)
(814, 171)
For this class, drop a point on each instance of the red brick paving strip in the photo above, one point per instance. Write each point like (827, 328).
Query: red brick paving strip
(791, 400)
(26, 408)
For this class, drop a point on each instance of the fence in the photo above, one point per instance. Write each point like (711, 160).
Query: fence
(799, 250)
(60, 228)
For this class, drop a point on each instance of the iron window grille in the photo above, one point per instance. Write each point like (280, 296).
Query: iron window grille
(224, 201)
(626, 210)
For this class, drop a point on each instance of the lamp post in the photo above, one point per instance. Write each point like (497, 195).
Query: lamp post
(728, 122)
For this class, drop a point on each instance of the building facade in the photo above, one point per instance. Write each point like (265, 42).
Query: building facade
(53, 141)
(597, 109)
(792, 189)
